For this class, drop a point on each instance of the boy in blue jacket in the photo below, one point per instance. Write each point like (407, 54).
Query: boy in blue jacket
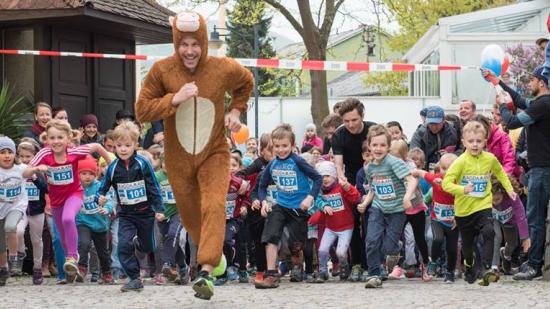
(92, 223)
(139, 197)
(295, 196)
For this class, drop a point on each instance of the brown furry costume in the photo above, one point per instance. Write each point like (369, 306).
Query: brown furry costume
(196, 151)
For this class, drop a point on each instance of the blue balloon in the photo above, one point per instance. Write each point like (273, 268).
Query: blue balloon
(493, 65)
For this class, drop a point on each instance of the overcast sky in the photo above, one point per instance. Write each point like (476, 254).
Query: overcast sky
(354, 13)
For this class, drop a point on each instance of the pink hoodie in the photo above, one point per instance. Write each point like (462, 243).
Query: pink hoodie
(316, 141)
(500, 145)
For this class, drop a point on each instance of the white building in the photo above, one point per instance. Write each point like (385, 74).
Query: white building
(460, 39)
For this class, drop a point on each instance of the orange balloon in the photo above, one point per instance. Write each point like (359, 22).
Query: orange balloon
(242, 135)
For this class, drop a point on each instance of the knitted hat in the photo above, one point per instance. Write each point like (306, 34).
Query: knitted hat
(89, 165)
(7, 143)
(88, 119)
(326, 168)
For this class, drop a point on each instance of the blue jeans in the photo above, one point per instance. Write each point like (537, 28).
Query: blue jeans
(383, 235)
(115, 262)
(537, 203)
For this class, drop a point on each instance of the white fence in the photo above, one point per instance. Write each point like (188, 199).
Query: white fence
(297, 112)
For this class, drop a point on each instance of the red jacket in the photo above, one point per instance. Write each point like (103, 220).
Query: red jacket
(234, 201)
(442, 200)
(342, 204)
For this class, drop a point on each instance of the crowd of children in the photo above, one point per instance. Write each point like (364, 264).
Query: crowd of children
(116, 218)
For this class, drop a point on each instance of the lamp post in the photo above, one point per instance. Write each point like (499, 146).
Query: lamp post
(216, 43)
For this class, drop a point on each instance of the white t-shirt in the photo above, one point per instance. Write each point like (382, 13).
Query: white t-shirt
(13, 195)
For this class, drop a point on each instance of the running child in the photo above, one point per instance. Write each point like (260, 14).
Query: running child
(294, 197)
(139, 196)
(468, 179)
(341, 196)
(60, 163)
(13, 204)
(37, 188)
(442, 217)
(92, 223)
(393, 187)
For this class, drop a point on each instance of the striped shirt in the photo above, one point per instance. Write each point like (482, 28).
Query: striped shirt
(386, 180)
(63, 178)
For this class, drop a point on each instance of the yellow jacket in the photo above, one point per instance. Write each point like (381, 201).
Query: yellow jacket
(476, 170)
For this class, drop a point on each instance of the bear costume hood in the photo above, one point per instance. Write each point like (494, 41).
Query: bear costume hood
(190, 23)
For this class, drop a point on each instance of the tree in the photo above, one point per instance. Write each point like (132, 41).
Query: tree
(415, 17)
(388, 83)
(240, 43)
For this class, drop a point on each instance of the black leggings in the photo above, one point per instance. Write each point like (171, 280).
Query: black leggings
(477, 224)
(418, 224)
(441, 232)
(310, 258)
(256, 228)
(358, 239)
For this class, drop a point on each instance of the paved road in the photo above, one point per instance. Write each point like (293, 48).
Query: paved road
(20, 293)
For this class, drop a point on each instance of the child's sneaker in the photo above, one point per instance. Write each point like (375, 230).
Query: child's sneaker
(170, 272)
(356, 271)
(107, 278)
(323, 275)
(61, 281)
(259, 277)
(310, 278)
(4, 275)
(469, 272)
(94, 277)
(344, 271)
(335, 269)
(159, 279)
(411, 272)
(37, 278)
(82, 271)
(45, 271)
(243, 276)
(449, 277)
(425, 276)
(53, 270)
(132, 285)
(220, 281)
(183, 276)
(432, 268)
(204, 286)
(71, 269)
(506, 262)
(296, 274)
(232, 274)
(271, 280)
(364, 275)
(12, 264)
(373, 282)
(488, 276)
(317, 278)
(397, 273)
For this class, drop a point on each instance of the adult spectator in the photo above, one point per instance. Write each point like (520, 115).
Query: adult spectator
(466, 111)
(536, 119)
(89, 126)
(60, 113)
(329, 125)
(436, 137)
(336, 107)
(42, 115)
(347, 143)
(348, 139)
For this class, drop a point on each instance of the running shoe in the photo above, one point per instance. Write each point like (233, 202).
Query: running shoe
(71, 269)
(133, 285)
(356, 271)
(37, 278)
(397, 273)
(204, 286)
(373, 282)
(4, 275)
(270, 281)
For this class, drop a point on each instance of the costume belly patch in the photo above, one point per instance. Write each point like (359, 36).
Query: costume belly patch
(194, 124)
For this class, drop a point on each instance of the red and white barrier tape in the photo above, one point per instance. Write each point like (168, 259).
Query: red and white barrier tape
(268, 63)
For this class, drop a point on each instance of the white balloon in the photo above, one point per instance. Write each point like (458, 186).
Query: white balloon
(492, 51)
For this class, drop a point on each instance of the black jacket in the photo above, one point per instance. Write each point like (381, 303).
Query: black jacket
(37, 207)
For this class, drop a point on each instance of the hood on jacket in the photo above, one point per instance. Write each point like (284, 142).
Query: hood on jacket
(190, 23)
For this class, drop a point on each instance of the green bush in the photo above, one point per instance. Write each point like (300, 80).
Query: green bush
(14, 114)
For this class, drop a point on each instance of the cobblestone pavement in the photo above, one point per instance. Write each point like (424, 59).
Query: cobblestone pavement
(20, 293)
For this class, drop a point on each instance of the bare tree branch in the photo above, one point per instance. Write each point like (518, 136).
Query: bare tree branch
(286, 13)
(319, 14)
(310, 29)
(330, 13)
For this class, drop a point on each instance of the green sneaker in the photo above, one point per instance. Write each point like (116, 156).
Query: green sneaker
(204, 286)
(220, 269)
(356, 272)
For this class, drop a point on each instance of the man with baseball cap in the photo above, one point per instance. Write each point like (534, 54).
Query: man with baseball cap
(436, 136)
(535, 117)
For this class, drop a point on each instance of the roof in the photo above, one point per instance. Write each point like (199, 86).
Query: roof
(349, 84)
(144, 10)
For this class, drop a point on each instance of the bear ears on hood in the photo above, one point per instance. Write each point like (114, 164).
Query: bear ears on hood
(190, 23)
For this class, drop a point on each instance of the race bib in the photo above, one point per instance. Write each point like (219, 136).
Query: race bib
(229, 209)
(502, 216)
(444, 212)
(479, 182)
(384, 188)
(89, 206)
(335, 201)
(32, 191)
(10, 191)
(60, 175)
(286, 180)
(168, 195)
(132, 193)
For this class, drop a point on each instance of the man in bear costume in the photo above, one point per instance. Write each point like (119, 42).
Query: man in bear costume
(187, 91)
